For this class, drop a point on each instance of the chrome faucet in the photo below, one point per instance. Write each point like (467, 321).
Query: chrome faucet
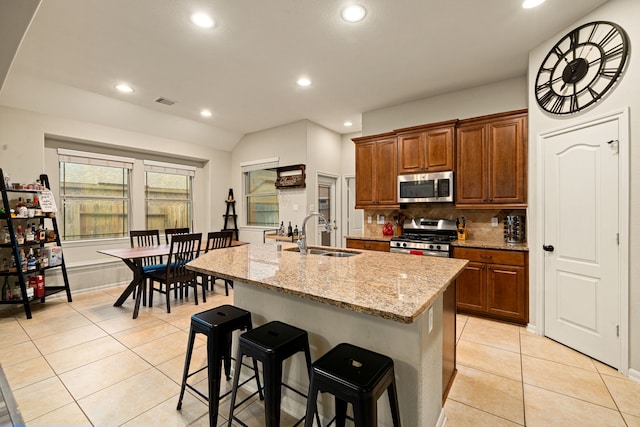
(302, 237)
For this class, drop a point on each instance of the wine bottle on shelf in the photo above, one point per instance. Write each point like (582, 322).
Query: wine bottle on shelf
(289, 230)
(295, 231)
(6, 289)
(16, 293)
(30, 236)
(20, 235)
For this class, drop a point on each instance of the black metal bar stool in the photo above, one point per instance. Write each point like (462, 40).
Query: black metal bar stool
(218, 325)
(271, 344)
(357, 376)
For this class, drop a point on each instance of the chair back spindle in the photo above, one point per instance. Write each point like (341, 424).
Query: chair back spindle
(145, 238)
(218, 240)
(184, 249)
(168, 233)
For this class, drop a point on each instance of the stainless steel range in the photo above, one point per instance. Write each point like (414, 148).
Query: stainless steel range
(424, 236)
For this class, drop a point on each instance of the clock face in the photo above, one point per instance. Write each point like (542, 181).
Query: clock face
(581, 67)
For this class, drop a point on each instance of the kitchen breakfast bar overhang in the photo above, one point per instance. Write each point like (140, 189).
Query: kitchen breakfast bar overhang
(389, 303)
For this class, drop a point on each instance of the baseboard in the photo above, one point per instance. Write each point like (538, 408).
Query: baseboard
(532, 328)
(442, 419)
(634, 375)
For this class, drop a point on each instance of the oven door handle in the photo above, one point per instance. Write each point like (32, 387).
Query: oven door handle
(419, 252)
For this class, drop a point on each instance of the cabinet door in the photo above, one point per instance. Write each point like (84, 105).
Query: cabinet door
(365, 174)
(411, 153)
(472, 288)
(506, 292)
(386, 176)
(369, 245)
(507, 161)
(471, 173)
(438, 156)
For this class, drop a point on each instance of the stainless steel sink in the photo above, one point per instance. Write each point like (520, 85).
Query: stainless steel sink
(326, 252)
(341, 254)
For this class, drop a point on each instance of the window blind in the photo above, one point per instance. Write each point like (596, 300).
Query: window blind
(255, 165)
(95, 159)
(174, 169)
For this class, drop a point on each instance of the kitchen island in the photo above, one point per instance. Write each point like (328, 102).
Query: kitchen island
(389, 303)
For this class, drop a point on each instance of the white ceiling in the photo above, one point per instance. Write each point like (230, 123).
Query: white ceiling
(244, 69)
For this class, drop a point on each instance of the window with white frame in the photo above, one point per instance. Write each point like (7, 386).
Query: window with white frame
(95, 195)
(261, 196)
(168, 195)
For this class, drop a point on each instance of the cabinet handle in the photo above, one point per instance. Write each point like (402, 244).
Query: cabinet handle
(486, 256)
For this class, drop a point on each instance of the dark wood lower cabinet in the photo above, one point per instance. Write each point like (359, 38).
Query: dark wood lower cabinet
(494, 284)
(369, 245)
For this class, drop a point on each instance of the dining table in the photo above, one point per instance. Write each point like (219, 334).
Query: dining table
(133, 258)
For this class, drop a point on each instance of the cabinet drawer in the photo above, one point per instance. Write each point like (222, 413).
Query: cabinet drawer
(369, 245)
(490, 256)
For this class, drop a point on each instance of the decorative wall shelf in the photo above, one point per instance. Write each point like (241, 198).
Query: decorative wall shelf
(291, 177)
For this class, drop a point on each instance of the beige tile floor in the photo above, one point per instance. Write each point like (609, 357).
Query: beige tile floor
(89, 363)
(509, 377)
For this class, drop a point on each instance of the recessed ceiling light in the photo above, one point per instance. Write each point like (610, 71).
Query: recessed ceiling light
(304, 82)
(353, 13)
(348, 124)
(205, 113)
(124, 88)
(528, 4)
(202, 20)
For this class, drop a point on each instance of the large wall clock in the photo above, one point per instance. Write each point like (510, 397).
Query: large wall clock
(581, 67)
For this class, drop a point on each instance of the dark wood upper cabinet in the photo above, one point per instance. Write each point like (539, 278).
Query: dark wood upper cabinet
(427, 148)
(491, 155)
(376, 171)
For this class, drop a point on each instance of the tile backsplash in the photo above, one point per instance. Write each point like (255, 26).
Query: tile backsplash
(478, 220)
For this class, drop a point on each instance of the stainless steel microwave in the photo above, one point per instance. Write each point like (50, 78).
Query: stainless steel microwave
(425, 187)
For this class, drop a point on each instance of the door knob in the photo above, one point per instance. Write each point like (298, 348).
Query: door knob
(548, 248)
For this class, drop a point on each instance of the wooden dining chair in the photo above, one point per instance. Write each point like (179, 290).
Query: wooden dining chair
(216, 240)
(144, 238)
(184, 249)
(171, 231)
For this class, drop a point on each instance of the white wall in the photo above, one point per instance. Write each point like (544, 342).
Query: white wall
(625, 95)
(349, 154)
(22, 155)
(497, 97)
(289, 144)
(324, 152)
(302, 142)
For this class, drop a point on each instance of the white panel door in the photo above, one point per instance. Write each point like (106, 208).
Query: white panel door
(327, 207)
(582, 287)
(354, 216)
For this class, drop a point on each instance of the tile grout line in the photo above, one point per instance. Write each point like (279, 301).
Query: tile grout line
(524, 399)
(486, 412)
(610, 394)
(57, 376)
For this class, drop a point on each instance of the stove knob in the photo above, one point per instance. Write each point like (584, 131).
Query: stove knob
(438, 247)
(430, 246)
(404, 245)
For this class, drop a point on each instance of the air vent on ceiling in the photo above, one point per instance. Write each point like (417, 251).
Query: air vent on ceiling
(165, 101)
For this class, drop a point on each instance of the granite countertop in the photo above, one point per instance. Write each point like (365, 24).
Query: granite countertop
(387, 285)
(491, 244)
(375, 238)
(469, 243)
